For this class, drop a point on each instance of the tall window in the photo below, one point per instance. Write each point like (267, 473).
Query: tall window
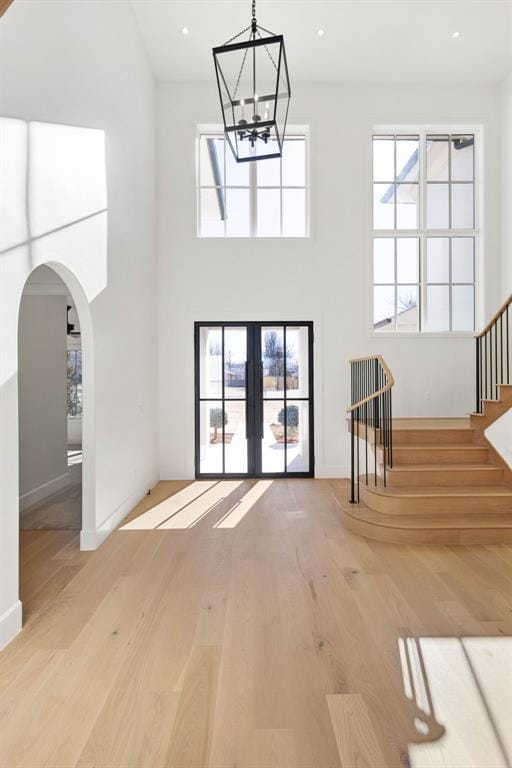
(424, 232)
(267, 198)
(74, 382)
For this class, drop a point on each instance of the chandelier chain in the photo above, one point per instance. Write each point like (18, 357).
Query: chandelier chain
(272, 34)
(267, 50)
(237, 36)
(240, 74)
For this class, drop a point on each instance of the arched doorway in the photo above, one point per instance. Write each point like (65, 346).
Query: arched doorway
(55, 421)
(55, 412)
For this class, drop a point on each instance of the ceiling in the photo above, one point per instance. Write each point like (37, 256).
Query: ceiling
(364, 41)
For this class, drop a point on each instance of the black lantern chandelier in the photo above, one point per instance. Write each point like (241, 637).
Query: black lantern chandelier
(254, 90)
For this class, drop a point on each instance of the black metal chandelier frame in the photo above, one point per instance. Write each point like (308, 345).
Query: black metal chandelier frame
(255, 129)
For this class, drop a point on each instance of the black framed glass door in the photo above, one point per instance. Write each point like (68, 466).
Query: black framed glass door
(254, 399)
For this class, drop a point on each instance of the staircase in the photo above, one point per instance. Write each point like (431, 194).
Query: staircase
(431, 480)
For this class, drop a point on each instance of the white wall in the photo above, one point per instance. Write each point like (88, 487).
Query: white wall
(81, 64)
(42, 397)
(325, 278)
(500, 435)
(506, 95)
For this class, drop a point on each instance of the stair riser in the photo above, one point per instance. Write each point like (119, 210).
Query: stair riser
(432, 436)
(446, 477)
(440, 505)
(411, 456)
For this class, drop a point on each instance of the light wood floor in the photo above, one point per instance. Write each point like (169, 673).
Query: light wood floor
(251, 630)
(60, 511)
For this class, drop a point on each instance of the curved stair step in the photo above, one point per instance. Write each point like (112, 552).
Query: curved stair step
(440, 500)
(414, 527)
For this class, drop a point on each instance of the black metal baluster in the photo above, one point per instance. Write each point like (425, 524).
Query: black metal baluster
(376, 385)
(352, 490)
(375, 438)
(384, 438)
(508, 352)
(501, 348)
(358, 418)
(391, 430)
(366, 417)
(485, 366)
(477, 375)
(496, 361)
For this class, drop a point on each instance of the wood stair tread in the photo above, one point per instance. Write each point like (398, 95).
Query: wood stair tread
(440, 447)
(436, 491)
(403, 469)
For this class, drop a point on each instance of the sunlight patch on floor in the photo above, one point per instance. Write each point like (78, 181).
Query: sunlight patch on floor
(158, 514)
(196, 510)
(74, 456)
(242, 507)
(464, 686)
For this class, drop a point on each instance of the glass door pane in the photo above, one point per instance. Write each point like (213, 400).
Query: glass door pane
(221, 408)
(235, 437)
(297, 436)
(284, 413)
(235, 363)
(272, 357)
(210, 437)
(272, 441)
(210, 355)
(297, 361)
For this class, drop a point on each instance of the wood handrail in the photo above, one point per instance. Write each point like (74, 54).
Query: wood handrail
(379, 392)
(4, 4)
(491, 322)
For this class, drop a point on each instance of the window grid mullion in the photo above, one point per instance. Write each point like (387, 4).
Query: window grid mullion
(423, 234)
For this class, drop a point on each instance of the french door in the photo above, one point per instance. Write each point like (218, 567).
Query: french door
(254, 399)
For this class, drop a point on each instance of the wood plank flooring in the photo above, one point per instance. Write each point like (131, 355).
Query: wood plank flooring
(249, 629)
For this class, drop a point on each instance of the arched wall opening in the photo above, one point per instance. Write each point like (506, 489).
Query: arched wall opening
(54, 213)
(55, 493)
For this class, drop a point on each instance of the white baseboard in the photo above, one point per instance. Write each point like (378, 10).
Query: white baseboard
(332, 471)
(43, 491)
(10, 624)
(92, 539)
